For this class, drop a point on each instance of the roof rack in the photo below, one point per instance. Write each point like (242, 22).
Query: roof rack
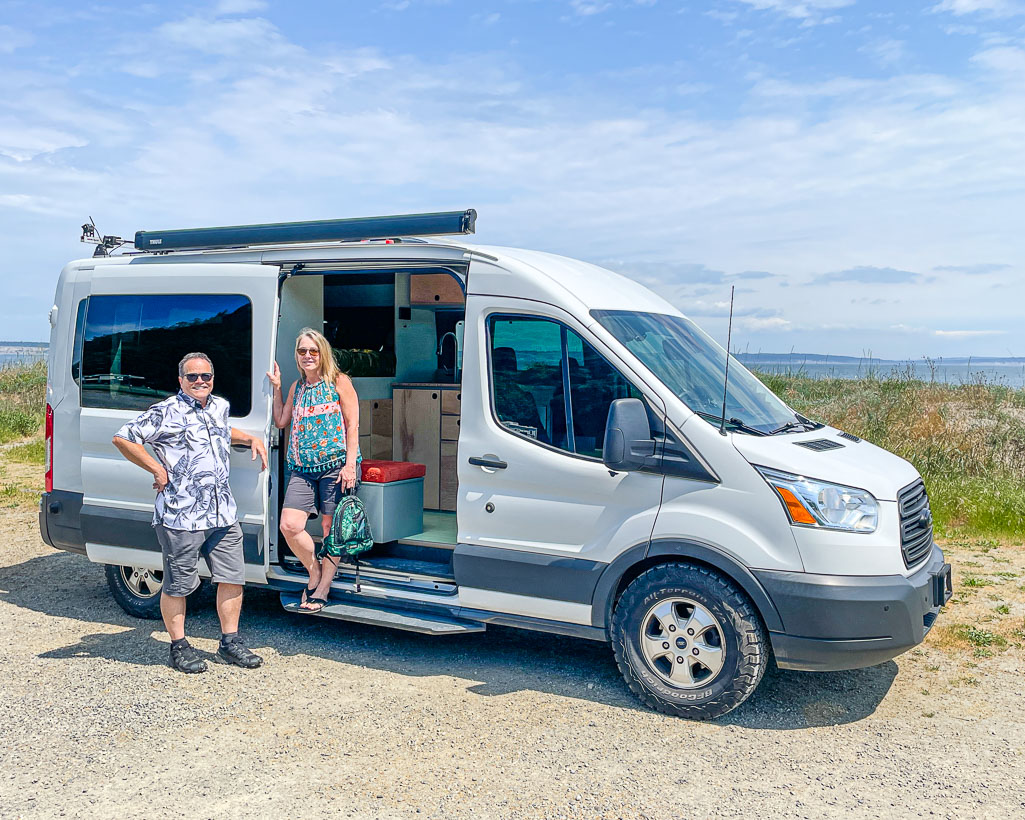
(325, 230)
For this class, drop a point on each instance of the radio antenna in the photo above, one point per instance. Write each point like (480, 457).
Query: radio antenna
(726, 381)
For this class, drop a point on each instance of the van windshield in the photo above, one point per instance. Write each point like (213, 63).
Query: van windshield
(693, 366)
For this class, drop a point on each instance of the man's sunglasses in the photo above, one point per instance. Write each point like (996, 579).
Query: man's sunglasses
(207, 377)
(307, 351)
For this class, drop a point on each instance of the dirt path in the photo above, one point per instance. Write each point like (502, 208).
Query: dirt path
(346, 720)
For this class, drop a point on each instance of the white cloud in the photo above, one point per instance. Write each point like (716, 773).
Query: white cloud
(996, 8)
(239, 6)
(586, 8)
(756, 323)
(12, 39)
(1003, 60)
(800, 9)
(886, 51)
(968, 334)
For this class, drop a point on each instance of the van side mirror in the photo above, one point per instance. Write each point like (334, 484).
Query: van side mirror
(628, 441)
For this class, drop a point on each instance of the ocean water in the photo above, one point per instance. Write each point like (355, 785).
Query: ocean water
(8, 359)
(1011, 375)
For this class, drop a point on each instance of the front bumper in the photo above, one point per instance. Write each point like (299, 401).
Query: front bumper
(834, 622)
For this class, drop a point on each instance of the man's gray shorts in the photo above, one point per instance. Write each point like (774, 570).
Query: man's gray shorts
(221, 546)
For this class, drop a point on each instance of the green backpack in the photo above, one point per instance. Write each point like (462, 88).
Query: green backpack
(350, 530)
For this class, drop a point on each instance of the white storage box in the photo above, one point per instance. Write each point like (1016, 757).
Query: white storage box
(395, 509)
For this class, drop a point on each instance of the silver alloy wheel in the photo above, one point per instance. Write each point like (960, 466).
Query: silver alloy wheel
(144, 583)
(682, 643)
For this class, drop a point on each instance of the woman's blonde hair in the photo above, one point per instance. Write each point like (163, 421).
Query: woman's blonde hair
(329, 371)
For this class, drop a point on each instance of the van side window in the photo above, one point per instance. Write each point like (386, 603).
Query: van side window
(532, 359)
(76, 355)
(132, 345)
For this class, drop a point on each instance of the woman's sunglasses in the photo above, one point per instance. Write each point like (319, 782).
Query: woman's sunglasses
(307, 351)
(207, 377)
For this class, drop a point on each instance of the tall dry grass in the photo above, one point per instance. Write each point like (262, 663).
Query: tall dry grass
(967, 440)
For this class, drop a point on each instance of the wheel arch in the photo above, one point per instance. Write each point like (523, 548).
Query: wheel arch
(642, 557)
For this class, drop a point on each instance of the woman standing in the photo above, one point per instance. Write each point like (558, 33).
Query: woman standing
(324, 411)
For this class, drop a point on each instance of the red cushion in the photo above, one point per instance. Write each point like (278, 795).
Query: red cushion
(381, 472)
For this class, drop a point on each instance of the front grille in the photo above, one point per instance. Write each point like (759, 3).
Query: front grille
(915, 523)
(820, 444)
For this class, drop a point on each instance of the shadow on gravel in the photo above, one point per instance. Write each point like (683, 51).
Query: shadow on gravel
(494, 663)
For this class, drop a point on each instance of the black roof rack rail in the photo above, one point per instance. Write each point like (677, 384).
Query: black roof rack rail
(325, 230)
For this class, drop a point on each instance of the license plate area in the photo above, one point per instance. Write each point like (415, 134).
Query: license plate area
(942, 586)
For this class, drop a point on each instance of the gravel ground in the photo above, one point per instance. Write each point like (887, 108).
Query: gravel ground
(352, 721)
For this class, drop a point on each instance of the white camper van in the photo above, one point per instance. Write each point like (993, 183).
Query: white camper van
(586, 469)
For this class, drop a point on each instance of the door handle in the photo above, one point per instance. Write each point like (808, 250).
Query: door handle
(477, 461)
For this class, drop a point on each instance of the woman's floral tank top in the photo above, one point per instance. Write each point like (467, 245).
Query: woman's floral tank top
(317, 442)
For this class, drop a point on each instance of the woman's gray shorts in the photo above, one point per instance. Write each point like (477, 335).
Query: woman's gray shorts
(221, 546)
(314, 492)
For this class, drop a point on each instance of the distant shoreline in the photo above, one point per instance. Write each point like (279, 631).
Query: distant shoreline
(14, 348)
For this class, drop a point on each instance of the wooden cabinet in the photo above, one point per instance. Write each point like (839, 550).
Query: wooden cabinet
(424, 432)
(375, 428)
(434, 289)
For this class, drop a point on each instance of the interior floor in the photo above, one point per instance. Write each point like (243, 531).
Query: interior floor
(439, 528)
(427, 554)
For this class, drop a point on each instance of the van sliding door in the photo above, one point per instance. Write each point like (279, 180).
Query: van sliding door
(142, 318)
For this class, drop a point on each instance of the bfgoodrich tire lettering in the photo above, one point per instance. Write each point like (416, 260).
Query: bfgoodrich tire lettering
(708, 692)
(136, 591)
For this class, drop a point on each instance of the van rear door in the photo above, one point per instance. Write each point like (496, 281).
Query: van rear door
(141, 319)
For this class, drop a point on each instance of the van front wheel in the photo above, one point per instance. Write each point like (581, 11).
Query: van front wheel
(688, 641)
(136, 590)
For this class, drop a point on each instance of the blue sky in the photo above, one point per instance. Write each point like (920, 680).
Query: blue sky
(856, 169)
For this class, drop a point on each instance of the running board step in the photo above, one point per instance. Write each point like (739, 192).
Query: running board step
(394, 618)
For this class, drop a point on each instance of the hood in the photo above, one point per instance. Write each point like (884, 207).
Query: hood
(855, 463)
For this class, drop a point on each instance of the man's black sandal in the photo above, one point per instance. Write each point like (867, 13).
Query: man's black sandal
(236, 652)
(186, 659)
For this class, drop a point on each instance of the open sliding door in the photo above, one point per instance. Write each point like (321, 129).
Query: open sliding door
(141, 319)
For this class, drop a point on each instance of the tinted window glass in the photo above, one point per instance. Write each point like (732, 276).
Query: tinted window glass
(527, 360)
(526, 369)
(693, 366)
(76, 355)
(132, 346)
(594, 384)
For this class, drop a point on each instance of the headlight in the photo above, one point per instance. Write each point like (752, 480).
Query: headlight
(814, 503)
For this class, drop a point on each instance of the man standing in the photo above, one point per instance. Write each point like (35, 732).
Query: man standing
(194, 512)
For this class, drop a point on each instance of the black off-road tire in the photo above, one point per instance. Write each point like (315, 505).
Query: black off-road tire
(744, 640)
(138, 607)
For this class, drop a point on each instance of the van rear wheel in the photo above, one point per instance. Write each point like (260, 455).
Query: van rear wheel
(136, 590)
(688, 641)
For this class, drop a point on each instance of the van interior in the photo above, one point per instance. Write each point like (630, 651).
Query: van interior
(397, 331)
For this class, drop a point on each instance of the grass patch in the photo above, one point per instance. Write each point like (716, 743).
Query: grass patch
(974, 581)
(31, 452)
(22, 400)
(1003, 609)
(967, 440)
(973, 636)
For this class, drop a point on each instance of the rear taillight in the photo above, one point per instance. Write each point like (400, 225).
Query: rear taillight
(49, 449)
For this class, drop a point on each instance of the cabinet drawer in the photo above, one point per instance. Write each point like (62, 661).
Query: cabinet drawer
(451, 402)
(449, 428)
